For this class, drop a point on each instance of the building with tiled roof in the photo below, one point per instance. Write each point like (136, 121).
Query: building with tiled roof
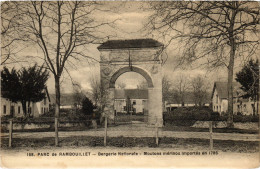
(135, 99)
(131, 43)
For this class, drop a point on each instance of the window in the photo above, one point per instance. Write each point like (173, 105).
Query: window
(217, 99)
(12, 111)
(19, 109)
(45, 101)
(4, 109)
(134, 102)
(245, 106)
(42, 110)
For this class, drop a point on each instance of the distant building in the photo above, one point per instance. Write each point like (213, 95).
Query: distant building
(220, 99)
(137, 98)
(189, 101)
(9, 108)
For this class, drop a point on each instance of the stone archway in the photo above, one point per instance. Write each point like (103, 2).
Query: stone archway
(130, 69)
(141, 56)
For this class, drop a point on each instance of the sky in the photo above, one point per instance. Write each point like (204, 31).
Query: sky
(130, 18)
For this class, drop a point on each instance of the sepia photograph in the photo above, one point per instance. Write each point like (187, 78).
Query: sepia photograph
(130, 84)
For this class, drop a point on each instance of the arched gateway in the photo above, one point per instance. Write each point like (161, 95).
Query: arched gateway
(141, 56)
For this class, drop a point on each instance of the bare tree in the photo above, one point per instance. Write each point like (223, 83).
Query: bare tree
(166, 90)
(99, 94)
(62, 30)
(95, 91)
(180, 87)
(199, 90)
(77, 94)
(10, 33)
(218, 31)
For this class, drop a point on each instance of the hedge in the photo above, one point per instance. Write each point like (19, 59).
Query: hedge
(188, 116)
(65, 116)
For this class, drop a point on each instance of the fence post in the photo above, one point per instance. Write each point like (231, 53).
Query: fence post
(157, 138)
(10, 132)
(56, 132)
(105, 137)
(210, 135)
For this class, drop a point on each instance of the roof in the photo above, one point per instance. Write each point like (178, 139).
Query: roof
(222, 89)
(131, 43)
(131, 93)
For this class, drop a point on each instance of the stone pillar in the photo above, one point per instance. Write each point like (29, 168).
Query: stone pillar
(110, 105)
(155, 107)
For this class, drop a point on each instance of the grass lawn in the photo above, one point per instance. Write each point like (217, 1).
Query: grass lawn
(178, 143)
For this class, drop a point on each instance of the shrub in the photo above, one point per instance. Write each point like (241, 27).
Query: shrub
(96, 114)
(73, 115)
(188, 116)
(50, 113)
(87, 106)
(245, 118)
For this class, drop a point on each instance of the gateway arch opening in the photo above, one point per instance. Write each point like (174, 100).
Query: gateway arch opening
(131, 98)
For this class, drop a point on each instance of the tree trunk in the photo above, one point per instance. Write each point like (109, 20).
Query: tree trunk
(24, 108)
(231, 67)
(230, 85)
(57, 108)
(28, 110)
(257, 106)
(254, 108)
(257, 101)
(57, 92)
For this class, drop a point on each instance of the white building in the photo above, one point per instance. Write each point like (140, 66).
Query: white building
(138, 99)
(244, 106)
(220, 99)
(16, 109)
